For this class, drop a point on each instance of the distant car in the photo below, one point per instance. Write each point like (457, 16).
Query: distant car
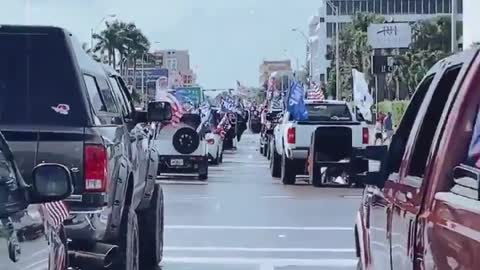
(31, 231)
(214, 139)
(181, 148)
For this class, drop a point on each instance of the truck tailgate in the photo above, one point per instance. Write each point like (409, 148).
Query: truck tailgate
(35, 145)
(304, 131)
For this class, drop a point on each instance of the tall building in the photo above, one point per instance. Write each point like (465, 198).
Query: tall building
(322, 26)
(174, 64)
(268, 67)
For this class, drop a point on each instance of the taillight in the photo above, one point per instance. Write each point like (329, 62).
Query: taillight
(210, 141)
(291, 135)
(365, 134)
(96, 162)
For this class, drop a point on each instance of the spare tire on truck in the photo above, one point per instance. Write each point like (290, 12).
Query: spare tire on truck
(186, 140)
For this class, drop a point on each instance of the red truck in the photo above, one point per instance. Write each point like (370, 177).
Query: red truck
(421, 210)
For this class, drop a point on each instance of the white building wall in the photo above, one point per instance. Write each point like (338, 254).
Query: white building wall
(471, 20)
(320, 64)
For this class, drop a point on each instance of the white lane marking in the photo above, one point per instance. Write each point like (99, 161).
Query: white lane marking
(263, 261)
(286, 228)
(276, 197)
(249, 249)
(182, 182)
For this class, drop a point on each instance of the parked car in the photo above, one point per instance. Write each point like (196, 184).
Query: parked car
(83, 116)
(420, 210)
(182, 148)
(29, 236)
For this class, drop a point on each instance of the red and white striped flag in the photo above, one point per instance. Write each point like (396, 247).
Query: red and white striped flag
(56, 212)
(177, 108)
(316, 93)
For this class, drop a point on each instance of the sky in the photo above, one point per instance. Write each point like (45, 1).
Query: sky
(227, 39)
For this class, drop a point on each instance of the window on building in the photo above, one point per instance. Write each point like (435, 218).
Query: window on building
(411, 6)
(357, 7)
(446, 6)
(433, 6)
(390, 6)
(172, 64)
(439, 6)
(460, 6)
(330, 29)
(384, 7)
(419, 6)
(343, 7)
(376, 6)
(363, 6)
(426, 6)
(369, 6)
(349, 7)
(398, 7)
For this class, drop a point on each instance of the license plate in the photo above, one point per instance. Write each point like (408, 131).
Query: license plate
(176, 162)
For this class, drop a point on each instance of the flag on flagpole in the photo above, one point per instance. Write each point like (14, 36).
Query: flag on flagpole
(56, 212)
(295, 103)
(316, 93)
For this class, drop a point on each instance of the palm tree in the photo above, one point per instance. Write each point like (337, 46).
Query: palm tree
(108, 41)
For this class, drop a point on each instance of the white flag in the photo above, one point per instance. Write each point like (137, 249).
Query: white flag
(361, 96)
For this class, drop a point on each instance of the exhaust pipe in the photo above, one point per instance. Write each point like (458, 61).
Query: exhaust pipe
(101, 256)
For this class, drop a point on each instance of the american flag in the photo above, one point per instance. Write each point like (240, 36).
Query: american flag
(223, 126)
(56, 212)
(177, 108)
(316, 93)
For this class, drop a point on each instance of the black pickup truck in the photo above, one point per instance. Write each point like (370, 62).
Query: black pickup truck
(58, 105)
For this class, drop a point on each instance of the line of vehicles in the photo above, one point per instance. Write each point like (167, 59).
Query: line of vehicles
(78, 161)
(323, 147)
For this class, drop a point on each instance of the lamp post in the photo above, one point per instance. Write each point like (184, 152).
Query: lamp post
(337, 49)
(309, 50)
(92, 30)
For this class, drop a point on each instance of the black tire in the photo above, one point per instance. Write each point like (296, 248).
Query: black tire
(186, 140)
(128, 258)
(270, 147)
(203, 175)
(221, 156)
(288, 173)
(265, 149)
(316, 176)
(151, 233)
(216, 160)
(275, 169)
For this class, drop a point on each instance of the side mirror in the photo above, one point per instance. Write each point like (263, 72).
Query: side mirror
(466, 179)
(51, 182)
(159, 111)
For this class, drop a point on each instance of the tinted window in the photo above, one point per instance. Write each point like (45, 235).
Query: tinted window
(120, 98)
(107, 95)
(94, 95)
(38, 83)
(430, 123)
(328, 112)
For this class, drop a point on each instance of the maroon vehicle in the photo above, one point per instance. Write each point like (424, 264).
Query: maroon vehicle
(421, 210)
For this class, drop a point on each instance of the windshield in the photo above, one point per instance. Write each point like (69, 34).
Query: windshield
(328, 112)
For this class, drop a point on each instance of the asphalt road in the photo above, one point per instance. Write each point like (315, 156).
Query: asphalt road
(243, 219)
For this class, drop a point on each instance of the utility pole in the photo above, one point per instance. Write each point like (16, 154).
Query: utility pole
(337, 49)
(454, 26)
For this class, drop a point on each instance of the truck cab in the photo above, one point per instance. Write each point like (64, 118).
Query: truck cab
(420, 210)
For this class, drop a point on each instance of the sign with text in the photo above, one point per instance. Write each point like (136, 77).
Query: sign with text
(389, 35)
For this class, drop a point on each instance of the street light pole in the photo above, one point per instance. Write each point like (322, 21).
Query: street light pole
(309, 51)
(337, 49)
(143, 79)
(454, 26)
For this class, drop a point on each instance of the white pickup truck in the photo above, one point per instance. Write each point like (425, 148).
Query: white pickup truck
(293, 139)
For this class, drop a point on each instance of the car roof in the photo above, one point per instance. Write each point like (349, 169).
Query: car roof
(326, 101)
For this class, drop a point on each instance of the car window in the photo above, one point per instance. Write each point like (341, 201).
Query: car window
(96, 100)
(328, 112)
(120, 98)
(38, 83)
(429, 126)
(399, 140)
(107, 95)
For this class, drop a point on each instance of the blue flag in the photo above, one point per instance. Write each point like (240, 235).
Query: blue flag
(295, 103)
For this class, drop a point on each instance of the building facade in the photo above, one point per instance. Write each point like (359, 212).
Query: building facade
(268, 67)
(173, 64)
(323, 25)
